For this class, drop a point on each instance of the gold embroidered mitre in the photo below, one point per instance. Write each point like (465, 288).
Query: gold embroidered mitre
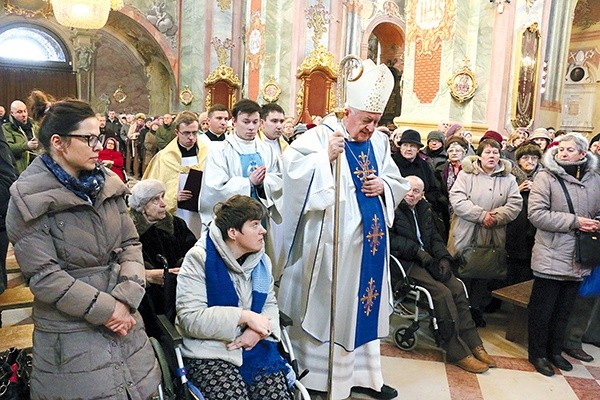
(372, 90)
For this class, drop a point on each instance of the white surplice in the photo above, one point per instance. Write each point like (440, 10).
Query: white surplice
(224, 177)
(305, 290)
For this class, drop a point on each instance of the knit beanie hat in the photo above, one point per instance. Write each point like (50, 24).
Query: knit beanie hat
(143, 192)
(494, 136)
(528, 149)
(458, 140)
(453, 129)
(436, 135)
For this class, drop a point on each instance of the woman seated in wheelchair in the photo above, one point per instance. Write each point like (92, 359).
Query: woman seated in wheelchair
(415, 241)
(226, 308)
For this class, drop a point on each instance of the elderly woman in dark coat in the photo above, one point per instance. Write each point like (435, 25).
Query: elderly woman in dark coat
(162, 235)
(520, 232)
(557, 274)
(81, 256)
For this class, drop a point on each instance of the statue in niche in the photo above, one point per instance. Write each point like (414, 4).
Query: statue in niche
(161, 19)
(373, 48)
(84, 57)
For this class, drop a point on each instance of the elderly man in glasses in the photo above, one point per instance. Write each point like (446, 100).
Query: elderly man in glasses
(179, 166)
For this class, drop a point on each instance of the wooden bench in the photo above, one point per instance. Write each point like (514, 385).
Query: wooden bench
(12, 266)
(19, 336)
(518, 295)
(19, 297)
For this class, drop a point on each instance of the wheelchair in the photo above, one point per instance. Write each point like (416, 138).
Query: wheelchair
(409, 299)
(175, 384)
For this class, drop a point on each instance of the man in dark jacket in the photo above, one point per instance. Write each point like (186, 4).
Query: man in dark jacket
(8, 174)
(416, 243)
(411, 161)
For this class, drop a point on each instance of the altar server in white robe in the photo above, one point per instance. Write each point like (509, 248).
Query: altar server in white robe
(242, 164)
(371, 189)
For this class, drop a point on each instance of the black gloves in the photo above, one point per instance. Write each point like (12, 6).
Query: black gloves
(445, 268)
(440, 270)
(424, 258)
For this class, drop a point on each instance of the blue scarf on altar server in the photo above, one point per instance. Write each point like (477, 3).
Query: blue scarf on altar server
(264, 358)
(361, 160)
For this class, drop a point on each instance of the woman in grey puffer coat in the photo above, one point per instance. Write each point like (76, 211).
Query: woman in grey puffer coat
(556, 273)
(79, 251)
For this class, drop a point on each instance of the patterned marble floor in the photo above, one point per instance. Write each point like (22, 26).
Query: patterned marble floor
(422, 375)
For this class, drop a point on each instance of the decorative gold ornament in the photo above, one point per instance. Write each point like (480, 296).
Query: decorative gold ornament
(321, 58)
(221, 47)
(526, 82)
(255, 39)
(271, 91)
(430, 22)
(28, 8)
(462, 84)
(223, 73)
(186, 97)
(224, 5)
(119, 95)
(116, 5)
(300, 102)
(317, 17)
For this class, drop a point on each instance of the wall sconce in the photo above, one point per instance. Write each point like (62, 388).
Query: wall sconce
(500, 5)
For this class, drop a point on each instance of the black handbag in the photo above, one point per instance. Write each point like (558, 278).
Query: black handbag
(15, 371)
(587, 244)
(482, 261)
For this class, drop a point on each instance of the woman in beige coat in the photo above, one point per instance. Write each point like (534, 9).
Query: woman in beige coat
(485, 198)
(80, 254)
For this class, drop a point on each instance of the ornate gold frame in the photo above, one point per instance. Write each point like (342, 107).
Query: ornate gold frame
(223, 73)
(256, 33)
(526, 79)
(271, 91)
(186, 97)
(44, 9)
(119, 95)
(462, 84)
(319, 58)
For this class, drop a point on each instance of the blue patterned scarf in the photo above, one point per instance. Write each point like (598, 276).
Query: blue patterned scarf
(264, 358)
(87, 187)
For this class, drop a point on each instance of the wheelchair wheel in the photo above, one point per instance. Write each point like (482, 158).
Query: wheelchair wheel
(405, 339)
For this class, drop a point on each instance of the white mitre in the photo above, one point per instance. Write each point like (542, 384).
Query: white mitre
(372, 90)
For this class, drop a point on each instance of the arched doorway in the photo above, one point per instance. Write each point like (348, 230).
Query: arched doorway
(34, 57)
(383, 43)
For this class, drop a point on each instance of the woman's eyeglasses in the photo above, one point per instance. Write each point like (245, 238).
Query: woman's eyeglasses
(92, 140)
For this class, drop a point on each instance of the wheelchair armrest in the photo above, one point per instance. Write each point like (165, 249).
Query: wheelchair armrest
(169, 331)
(285, 320)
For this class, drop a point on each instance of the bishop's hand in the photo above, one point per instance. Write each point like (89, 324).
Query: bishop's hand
(336, 145)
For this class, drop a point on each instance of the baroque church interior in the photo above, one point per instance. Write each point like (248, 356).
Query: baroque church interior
(487, 64)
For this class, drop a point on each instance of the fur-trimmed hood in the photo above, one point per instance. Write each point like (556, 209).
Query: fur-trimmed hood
(551, 165)
(471, 165)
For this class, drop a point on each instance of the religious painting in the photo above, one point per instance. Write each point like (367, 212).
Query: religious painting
(462, 84)
(429, 22)
(255, 50)
(528, 62)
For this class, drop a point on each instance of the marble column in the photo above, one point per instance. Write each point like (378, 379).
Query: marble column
(561, 21)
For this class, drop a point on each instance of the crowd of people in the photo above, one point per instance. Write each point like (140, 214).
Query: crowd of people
(232, 217)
